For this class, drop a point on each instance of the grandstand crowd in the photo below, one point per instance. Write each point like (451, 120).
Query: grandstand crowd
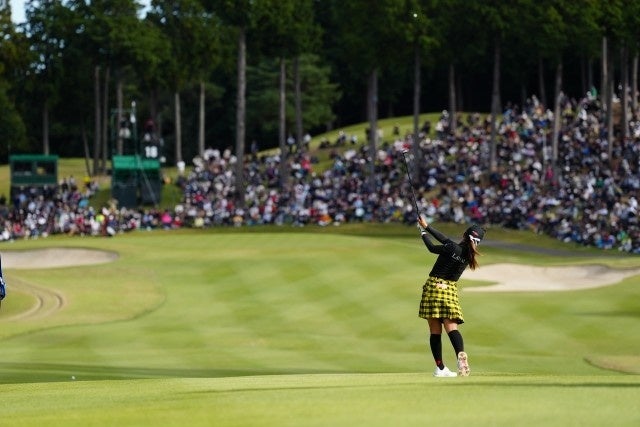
(589, 198)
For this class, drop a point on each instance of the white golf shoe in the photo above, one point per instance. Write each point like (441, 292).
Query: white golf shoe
(444, 373)
(463, 364)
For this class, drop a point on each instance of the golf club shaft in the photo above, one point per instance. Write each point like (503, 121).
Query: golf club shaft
(415, 200)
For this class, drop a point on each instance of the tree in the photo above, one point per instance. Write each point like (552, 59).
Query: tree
(12, 129)
(274, 21)
(631, 36)
(111, 36)
(318, 94)
(462, 37)
(629, 39)
(291, 31)
(369, 24)
(48, 39)
(239, 17)
(564, 22)
(12, 53)
(417, 36)
(496, 17)
(306, 39)
(192, 32)
(71, 40)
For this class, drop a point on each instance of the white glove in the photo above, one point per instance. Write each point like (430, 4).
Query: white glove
(422, 230)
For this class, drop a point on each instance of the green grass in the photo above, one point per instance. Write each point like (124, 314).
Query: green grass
(287, 327)
(321, 400)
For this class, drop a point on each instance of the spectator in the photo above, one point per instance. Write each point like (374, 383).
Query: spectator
(585, 197)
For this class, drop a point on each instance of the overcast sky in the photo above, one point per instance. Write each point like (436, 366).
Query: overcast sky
(17, 9)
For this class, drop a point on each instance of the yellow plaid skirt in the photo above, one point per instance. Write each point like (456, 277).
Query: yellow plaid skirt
(440, 300)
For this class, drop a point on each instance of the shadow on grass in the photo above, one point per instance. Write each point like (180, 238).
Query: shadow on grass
(449, 383)
(18, 373)
(551, 384)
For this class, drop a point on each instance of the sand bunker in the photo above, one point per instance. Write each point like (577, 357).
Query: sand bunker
(507, 277)
(47, 301)
(526, 278)
(55, 257)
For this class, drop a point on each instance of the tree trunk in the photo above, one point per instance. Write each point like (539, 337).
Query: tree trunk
(45, 128)
(298, 101)
(372, 117)
(541, 86)
(240, 115)
(282, 124)
(178, 129)
(583, 75)
(604, 97)
(556, 118)
(459, 94)
(624, 70)
(201, 119)
(87, 154)
(589, 74)
(609, 112)
(106, 143)
(119, 115)
(452, 98)
(416, 111)
(634, 85)
(96, 137)
(495, 106)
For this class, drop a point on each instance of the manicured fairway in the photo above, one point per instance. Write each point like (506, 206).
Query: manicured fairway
(413, 399)
(304, 328)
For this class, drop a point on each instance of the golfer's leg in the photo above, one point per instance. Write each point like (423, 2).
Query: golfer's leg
(435, 326)
(458, 346)
(435, 341)
(454, 335)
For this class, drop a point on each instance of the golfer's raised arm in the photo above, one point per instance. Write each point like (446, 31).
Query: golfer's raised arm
(433, 248)
(438, 235)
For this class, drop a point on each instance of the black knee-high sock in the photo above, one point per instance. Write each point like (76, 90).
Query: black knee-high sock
(456, 340)
(436, 349)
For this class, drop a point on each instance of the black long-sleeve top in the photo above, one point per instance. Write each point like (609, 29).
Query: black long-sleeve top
(453, 258)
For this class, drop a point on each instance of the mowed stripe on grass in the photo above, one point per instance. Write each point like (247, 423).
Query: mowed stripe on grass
(242, 304)
(410, 399)
(230, 308)
(314, 301)
(291, 303)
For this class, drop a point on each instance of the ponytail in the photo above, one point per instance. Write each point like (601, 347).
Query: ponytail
(473, 254)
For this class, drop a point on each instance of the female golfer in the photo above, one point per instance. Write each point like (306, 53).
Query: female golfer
(439, 304)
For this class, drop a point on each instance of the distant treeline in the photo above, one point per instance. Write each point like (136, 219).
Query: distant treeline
(93, 78)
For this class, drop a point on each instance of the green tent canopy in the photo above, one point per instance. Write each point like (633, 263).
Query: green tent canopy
(136, 181)
(33, 171)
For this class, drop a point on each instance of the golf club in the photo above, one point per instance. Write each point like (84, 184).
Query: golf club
(415, 201)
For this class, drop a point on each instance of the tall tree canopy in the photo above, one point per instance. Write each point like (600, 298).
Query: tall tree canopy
(76, 65)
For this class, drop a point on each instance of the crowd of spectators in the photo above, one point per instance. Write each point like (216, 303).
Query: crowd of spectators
(587, 195)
